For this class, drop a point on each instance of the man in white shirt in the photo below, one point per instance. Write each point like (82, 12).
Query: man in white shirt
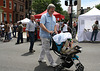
(30, 28)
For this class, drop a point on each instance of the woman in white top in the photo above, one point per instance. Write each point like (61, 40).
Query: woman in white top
(64, 27)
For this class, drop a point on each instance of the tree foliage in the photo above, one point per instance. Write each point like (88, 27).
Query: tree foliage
(65, 13)
(41, 5)
(58, 5)
(98, 6)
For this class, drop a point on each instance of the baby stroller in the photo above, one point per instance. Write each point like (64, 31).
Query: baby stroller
(67, 57)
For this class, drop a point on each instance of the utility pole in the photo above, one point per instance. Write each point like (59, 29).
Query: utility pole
(71, 13)
(71, 10)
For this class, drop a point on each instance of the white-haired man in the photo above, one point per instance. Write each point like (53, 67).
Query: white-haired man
(48, 26)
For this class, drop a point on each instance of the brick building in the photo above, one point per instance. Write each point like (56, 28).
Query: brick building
(21, 9)
(18, 10)
(7, 13)
(14, 10)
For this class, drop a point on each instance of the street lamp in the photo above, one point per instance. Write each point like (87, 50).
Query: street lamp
(71, 6)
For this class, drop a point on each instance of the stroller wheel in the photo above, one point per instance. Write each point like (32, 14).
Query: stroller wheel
(58, 68)
(80, 67)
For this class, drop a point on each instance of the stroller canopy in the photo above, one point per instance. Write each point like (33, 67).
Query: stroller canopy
(62, 37)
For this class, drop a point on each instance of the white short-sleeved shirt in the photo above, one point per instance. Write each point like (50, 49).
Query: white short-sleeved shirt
(65, 28)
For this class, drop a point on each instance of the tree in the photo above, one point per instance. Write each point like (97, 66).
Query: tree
(65, 13)
(41, 5)
(58, 5)
(98, 6)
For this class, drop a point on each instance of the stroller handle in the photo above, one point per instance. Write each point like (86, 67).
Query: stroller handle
(52, 34)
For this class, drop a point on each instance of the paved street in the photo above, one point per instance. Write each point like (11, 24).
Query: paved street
(16, 57)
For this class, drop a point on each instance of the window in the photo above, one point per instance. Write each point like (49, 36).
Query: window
(10, 17)
(26, 4)
(15, 7)
(5, 17)
(21, 8)
(10, 5)
(16, 18)
(21, 17)
(4, 3)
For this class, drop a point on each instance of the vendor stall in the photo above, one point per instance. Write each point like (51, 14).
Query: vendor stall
(57, 15)
(85, 23)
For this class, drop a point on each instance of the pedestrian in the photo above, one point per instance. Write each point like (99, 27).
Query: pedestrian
(95, 30)
(75, 26)
(30, 29)
(57, 26)
(20, 33)
(64, 27)
(2, 28)
(7, 29)
(11, 29)
(0, 31)
(14, 29)
(47, 27)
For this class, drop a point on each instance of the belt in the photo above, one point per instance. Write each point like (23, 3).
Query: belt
(31, 32)
(65, 31)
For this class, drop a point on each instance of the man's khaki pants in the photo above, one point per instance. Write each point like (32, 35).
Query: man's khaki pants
(46, 50)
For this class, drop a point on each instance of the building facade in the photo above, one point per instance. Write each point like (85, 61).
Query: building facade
(7, 10)
(28, 9)
(1, 14)
(18, 10)
(21, 9)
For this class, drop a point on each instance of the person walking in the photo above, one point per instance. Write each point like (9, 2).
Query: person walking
(7, 29)
(95, 30)
(47, 26)
(2, 28)
(14, 29)
(30, 29)
(20, 33)
(11, 29)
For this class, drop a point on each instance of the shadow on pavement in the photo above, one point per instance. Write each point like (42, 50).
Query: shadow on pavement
(27, 54)
(43, 67)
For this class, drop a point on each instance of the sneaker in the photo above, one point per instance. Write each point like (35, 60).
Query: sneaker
(53, 65)
(43, 61)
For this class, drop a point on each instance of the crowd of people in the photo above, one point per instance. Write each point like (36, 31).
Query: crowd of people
(6, 29)
(48, 25)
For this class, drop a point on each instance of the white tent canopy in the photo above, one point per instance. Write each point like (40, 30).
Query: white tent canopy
(25, 21)
(92, 14)
(85, 22)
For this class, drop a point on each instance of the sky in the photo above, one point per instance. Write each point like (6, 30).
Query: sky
(84, 4)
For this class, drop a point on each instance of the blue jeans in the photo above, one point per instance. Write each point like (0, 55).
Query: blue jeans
(14, 33)
(10, 36)
(31, 37)
(94, 33)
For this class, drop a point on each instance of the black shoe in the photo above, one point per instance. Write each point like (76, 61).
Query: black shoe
(31, 51)
(16, 43)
